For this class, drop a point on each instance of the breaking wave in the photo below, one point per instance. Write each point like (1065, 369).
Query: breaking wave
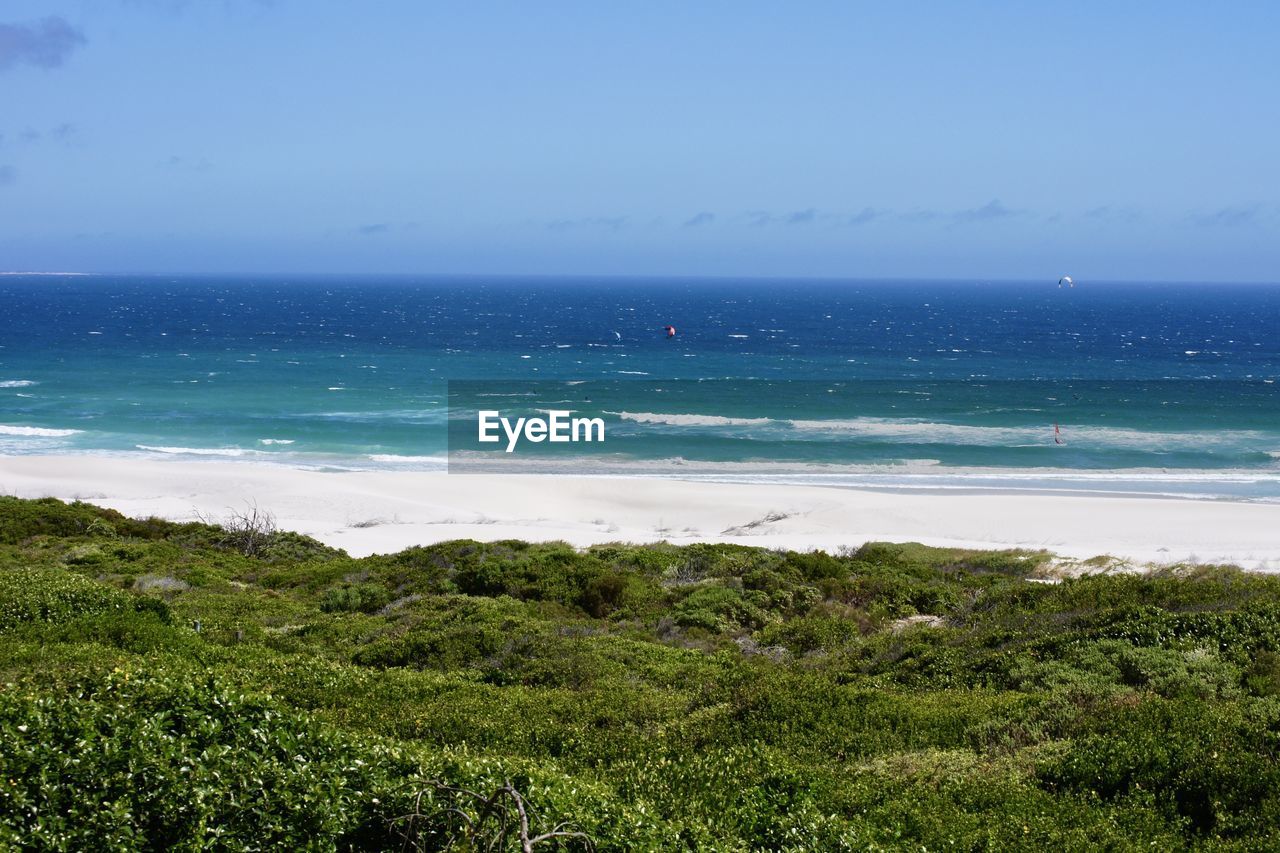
(691, 420)
(911, 431)
(199, 451)
(41, 432)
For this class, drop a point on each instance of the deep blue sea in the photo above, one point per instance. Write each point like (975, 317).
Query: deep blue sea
(1156, 388)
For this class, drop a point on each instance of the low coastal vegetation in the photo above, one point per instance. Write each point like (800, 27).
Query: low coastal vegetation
(182, 686)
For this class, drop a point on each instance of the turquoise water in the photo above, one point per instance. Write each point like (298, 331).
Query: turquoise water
(1164, 389)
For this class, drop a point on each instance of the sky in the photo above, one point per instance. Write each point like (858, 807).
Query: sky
(828, 139)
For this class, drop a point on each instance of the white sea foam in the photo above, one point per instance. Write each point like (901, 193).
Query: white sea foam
(199, 451)
(913, 474)
(925, 432)
(17, 383)
(40, 432)
(428, 415)
(689, 420)
(275, 441)
(407, 460)
(932, 432)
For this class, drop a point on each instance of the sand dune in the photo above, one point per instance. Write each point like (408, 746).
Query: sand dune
(372, 512)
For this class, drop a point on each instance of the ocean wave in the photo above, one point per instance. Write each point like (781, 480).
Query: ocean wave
(913, 431)
(40, 432)
(275, 441)
(17, 383)
(425, 414)
(407, 460)
(199, 451)
(690, 420)
(1126, 438)
(926, 432)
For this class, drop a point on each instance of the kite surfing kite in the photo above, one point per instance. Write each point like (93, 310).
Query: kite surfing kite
(1067, 280)
(1057, 435)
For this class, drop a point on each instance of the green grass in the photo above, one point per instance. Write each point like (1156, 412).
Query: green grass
(708, 697)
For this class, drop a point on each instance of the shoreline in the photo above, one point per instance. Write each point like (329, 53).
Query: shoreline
(367, 512)
(923, 476)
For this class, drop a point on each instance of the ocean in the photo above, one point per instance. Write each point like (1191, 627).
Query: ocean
(1164, 389)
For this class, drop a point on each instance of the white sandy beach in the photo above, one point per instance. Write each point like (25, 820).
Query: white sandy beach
(379, 512)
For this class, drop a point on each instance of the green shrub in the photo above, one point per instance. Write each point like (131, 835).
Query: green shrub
(52, 596)
(815, 565)
(21, 520)
(287, 546)
(1208, 767)
(356, 598)
(716, 697)
(136, 762)
(817, 632)
(603, 594)
(719, 609)
(1263, 675)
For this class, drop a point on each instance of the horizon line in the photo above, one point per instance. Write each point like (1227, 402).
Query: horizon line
(634, 277)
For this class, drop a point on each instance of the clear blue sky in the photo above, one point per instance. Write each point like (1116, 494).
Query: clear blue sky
(1001, 139)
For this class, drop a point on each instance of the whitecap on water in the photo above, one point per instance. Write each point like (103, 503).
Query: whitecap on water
(40, 432)
(198, 451)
